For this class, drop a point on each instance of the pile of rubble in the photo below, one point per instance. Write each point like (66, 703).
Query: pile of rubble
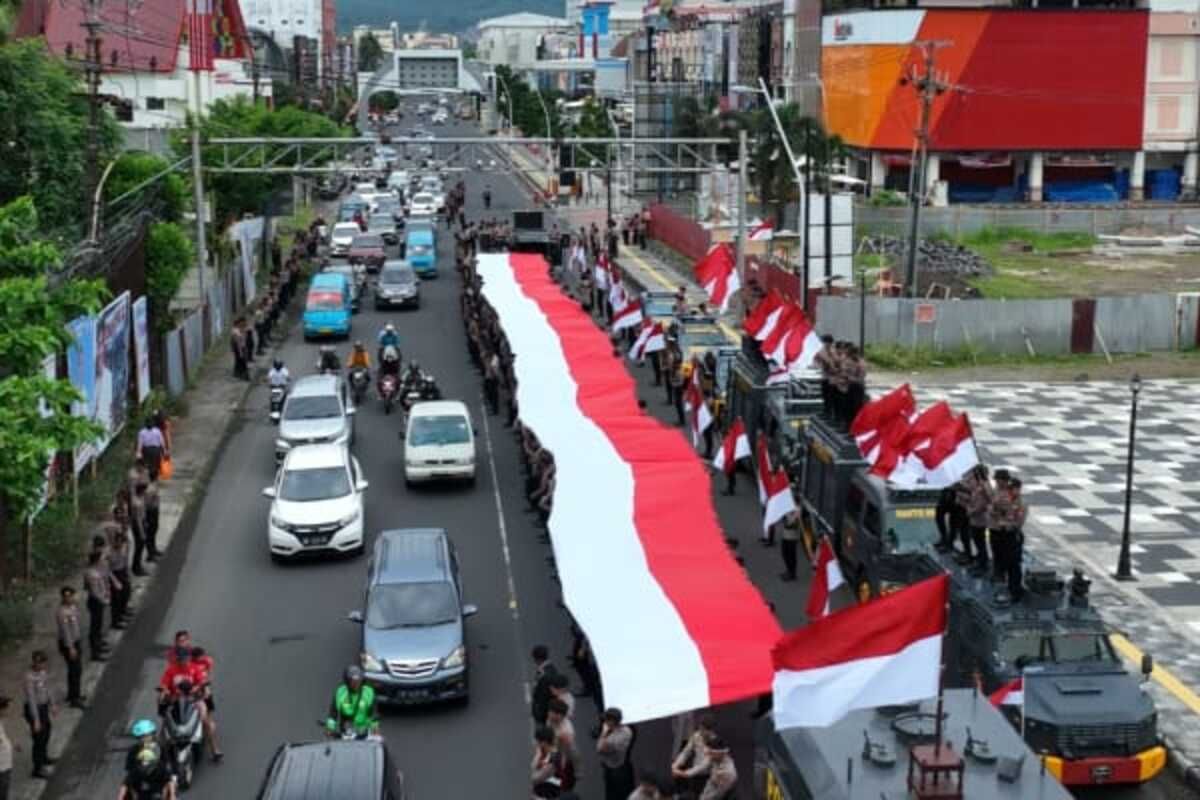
(933, 256)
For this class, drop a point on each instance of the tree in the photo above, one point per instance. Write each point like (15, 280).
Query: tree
(43, 135)
(370, 53)
(134, 168)
(169, 256)
(385, 101)
(35, 411)
(470, 51)
(593, 124)
(529, 110)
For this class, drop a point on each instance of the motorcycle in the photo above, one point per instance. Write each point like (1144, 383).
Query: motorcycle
(277, 396)
(348, 734)
(428, 388)
(389, 387)
(328, 367)
(360, 379)
(183, 735)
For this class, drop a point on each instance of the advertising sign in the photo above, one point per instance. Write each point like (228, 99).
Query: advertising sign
(141, 346)
(81, 371)
(50, 370)
(112, 367)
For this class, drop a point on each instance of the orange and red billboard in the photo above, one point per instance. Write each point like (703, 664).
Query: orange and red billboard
(1019, 79)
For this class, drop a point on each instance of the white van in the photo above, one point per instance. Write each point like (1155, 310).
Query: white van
(439, 443)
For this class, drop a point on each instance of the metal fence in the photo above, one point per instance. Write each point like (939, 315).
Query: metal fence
(1132, 324)
(960, 220)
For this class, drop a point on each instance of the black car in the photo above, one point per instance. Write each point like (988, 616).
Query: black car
(397, 285)
(347, 770)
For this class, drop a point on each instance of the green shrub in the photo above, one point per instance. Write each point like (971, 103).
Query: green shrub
(16, 619)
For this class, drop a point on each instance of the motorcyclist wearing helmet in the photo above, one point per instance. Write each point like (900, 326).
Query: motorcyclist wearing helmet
(147, 774)
(388, 336)
(358, 357)
(278, 375)
(329, 360)
(353, 706)
(188, 673)
(412, 377)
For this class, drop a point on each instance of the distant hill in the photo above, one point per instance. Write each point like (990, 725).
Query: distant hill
(455, 16)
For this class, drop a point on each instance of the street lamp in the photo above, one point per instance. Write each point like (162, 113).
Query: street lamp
(612, 120)
(1124, 568)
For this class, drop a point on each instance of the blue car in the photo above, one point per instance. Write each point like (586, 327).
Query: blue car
(421, 253)
(327, 309)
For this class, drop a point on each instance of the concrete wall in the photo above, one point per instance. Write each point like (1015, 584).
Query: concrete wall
(1133, 324)
(957, 220)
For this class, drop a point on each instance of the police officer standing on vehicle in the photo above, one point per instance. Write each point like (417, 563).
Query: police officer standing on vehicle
(1012, 538)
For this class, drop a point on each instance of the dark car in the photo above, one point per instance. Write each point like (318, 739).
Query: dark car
(398, 285)
(414, 646)
(347, 770)
(368, 249)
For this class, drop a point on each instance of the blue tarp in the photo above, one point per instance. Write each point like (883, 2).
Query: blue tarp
(1162, 184)
(967, 193)
(1081, 192)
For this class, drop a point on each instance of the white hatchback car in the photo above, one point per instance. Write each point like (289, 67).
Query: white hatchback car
(342, 236)
(423, 203)
(317, 502)
(439, 442)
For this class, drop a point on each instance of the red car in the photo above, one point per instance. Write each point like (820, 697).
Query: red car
(367, 249)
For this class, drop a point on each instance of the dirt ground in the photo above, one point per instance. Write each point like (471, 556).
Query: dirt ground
(1149, 366)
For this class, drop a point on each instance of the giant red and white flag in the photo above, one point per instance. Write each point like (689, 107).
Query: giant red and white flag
(883, 421)
(200, 39)
(671, 640)
(780, 502)
(827, 576)
(761, 231)
(885, 652)
(627, 317)
(651, 339)
(735, 447)
(764, 313)
(716, 272)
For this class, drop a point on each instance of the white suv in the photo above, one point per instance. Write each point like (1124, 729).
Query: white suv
(317, 503)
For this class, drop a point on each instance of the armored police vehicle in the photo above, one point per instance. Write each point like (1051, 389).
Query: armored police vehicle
(892, 752)
(1084, 713)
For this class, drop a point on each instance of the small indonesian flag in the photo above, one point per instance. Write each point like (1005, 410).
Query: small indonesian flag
(761, 231)
(883, 421)
(885, 652)
(699, 416)
(618, 298)
(717, 274)
(651, 339)
(787, 319)
(950, 454)
(767, 310)
(827, 576)
(735, 447)
(601, 272)
(627, 317)
(762, 465)
(799, 346)
(780, 502)
(1010, 694)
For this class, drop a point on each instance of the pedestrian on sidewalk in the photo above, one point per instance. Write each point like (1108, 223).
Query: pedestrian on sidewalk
(491, 382)
(6, 751)
(151, 447)
(70, 643)
(118, 565)
(237, 344)
(789, 541)
(137, 527)
(644, 227)
(39, 712)
(96, 580)
(614, 749)
(544, 671)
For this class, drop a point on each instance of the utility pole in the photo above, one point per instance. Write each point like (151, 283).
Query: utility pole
(92, 66)
(928, 86)
(198, 195)
(741, 221)
(805, 218)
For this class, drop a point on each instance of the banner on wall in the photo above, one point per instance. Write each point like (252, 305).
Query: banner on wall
(112, 368)
(50, 370)
(81, 371)
(141, 346)
(248, 233)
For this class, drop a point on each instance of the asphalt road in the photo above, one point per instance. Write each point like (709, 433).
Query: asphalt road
(279, 633)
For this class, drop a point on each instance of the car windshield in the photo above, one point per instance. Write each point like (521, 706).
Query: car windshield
(361, 242)
(441, 430)
(1082, 646)
(1023, 646)
(423, 199)
(400, 276)
(346, 231)
(312, 485)
(420, 249)
(411, 605)
(382, 221)
(314, 407)
(324, 301)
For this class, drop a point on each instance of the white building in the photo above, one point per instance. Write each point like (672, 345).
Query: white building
(515, 39)
(284, 20)
(388, 37)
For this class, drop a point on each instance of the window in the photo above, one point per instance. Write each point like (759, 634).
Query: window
(871, 520)
(1170, 58)
(155, 104)
(1167, 113)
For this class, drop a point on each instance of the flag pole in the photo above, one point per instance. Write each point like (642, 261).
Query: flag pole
(937, 730)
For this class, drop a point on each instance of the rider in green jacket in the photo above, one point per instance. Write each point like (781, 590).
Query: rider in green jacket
(353, 705)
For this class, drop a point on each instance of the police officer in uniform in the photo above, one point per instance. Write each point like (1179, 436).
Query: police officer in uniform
(1012, 538)
(997, 509)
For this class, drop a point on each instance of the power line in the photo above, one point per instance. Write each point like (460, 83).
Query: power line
(929, 86)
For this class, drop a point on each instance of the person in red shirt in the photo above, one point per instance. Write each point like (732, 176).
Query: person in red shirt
(190, 668)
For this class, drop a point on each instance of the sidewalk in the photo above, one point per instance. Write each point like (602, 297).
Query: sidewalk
(212, 406)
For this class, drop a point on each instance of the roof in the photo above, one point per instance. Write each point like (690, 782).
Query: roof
(312, 385)
(524, 19)
(319, 770)
(142, 37)
(431, 408)
(411, 555)
(821, 755)
(316, 456)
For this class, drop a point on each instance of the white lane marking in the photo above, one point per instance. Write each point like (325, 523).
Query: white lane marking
(503, 528)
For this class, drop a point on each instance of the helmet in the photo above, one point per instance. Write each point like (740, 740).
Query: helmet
(144, 727)
(390, 354)
(413, 366)
(353, 673)
(278, 363)
(390, 328)
(326, 349)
